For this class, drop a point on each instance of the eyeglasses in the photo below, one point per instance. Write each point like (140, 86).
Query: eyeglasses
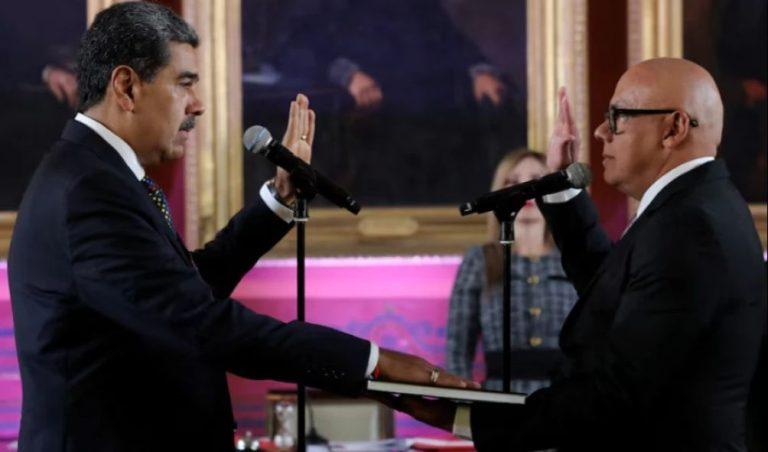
(614, 112)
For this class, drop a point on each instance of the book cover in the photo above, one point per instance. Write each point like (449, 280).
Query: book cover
(464, 395)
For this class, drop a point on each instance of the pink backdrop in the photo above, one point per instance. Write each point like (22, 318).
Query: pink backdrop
(398, 302)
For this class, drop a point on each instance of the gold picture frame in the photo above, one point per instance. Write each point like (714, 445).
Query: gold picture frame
(557, 55)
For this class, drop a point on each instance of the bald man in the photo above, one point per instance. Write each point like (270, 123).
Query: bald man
(664, 339)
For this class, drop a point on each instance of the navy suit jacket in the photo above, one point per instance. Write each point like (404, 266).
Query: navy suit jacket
(123, 336)
(663, 342)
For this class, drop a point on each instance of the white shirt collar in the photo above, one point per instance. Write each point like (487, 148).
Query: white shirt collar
(126, 152)
(665, 180)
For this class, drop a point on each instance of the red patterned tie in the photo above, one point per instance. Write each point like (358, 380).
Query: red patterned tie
(158, 199)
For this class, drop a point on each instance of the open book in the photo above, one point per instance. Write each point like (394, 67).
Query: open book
(464, 395)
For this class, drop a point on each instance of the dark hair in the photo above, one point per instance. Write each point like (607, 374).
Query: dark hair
(134, 34)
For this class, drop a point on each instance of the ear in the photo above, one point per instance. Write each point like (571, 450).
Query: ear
(123, 83)
(676, 129)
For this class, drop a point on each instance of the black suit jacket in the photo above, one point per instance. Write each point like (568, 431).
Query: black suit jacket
(664, 339)
(123, 336)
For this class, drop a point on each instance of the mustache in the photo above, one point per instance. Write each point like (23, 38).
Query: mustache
(188, 124)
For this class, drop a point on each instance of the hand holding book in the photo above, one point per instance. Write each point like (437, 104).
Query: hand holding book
(438, 413)
(396, 367)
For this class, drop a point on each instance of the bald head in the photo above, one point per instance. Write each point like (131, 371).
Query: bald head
(678, 83)
(640, 148)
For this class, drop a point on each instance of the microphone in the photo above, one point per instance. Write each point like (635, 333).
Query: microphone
(258, 140)
(577, 175)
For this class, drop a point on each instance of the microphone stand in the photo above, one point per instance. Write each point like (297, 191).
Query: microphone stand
(304, 183)
(301, 217)
(506, 215)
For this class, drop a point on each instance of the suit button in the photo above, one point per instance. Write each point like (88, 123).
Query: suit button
(535, 341)
(533, 280)
(534, 311)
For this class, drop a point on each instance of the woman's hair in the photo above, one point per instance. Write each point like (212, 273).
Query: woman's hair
(506, 165)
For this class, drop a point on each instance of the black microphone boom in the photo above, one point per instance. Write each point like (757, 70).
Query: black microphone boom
(258, 140)
(577, 175)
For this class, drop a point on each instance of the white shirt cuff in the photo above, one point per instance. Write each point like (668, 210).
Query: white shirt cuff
(462, 427)
(561, 196)
(285, 213)
(373, 360)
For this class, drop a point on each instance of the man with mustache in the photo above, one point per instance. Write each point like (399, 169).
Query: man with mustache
(124, 336)
(663, 343)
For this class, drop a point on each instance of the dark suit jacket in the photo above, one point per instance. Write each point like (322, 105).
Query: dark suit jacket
(123, 336)
(663, 342)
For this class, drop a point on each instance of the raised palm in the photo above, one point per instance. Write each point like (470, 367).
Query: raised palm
(299, 136)
(565, 142)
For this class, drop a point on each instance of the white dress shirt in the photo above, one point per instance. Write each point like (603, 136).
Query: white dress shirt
(666, 179)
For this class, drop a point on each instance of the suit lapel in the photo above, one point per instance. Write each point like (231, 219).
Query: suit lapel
(703, 174)
(79, 133)
(700, 175)
(618, 253)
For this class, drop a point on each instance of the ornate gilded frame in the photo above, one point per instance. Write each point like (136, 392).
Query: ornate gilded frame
(213, 165)
(655, 29)
(556, 48)
(557, 55)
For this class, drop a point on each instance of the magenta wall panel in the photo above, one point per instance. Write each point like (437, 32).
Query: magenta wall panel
(398, 302)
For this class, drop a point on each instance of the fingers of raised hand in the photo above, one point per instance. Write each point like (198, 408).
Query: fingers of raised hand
(290, 130)
(569, 116)
(311, 126)
(302, 116)
(561, 97)
(301, 127)
(565, 115)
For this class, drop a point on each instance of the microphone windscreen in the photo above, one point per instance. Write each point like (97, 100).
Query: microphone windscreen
(256, 139)
(579, 175)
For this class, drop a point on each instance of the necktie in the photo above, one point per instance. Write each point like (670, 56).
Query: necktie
(158, 199)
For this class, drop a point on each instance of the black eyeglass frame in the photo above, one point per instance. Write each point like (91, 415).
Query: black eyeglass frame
(614, 111)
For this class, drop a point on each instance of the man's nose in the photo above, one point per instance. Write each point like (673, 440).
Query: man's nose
(603, 132)
(195, 106)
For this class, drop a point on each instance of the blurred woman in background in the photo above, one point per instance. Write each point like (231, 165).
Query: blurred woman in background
(542, 296)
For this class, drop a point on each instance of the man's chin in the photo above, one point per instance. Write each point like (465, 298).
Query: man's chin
(612, 179)
(176, 152)
(178, 146)
(608, 174)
